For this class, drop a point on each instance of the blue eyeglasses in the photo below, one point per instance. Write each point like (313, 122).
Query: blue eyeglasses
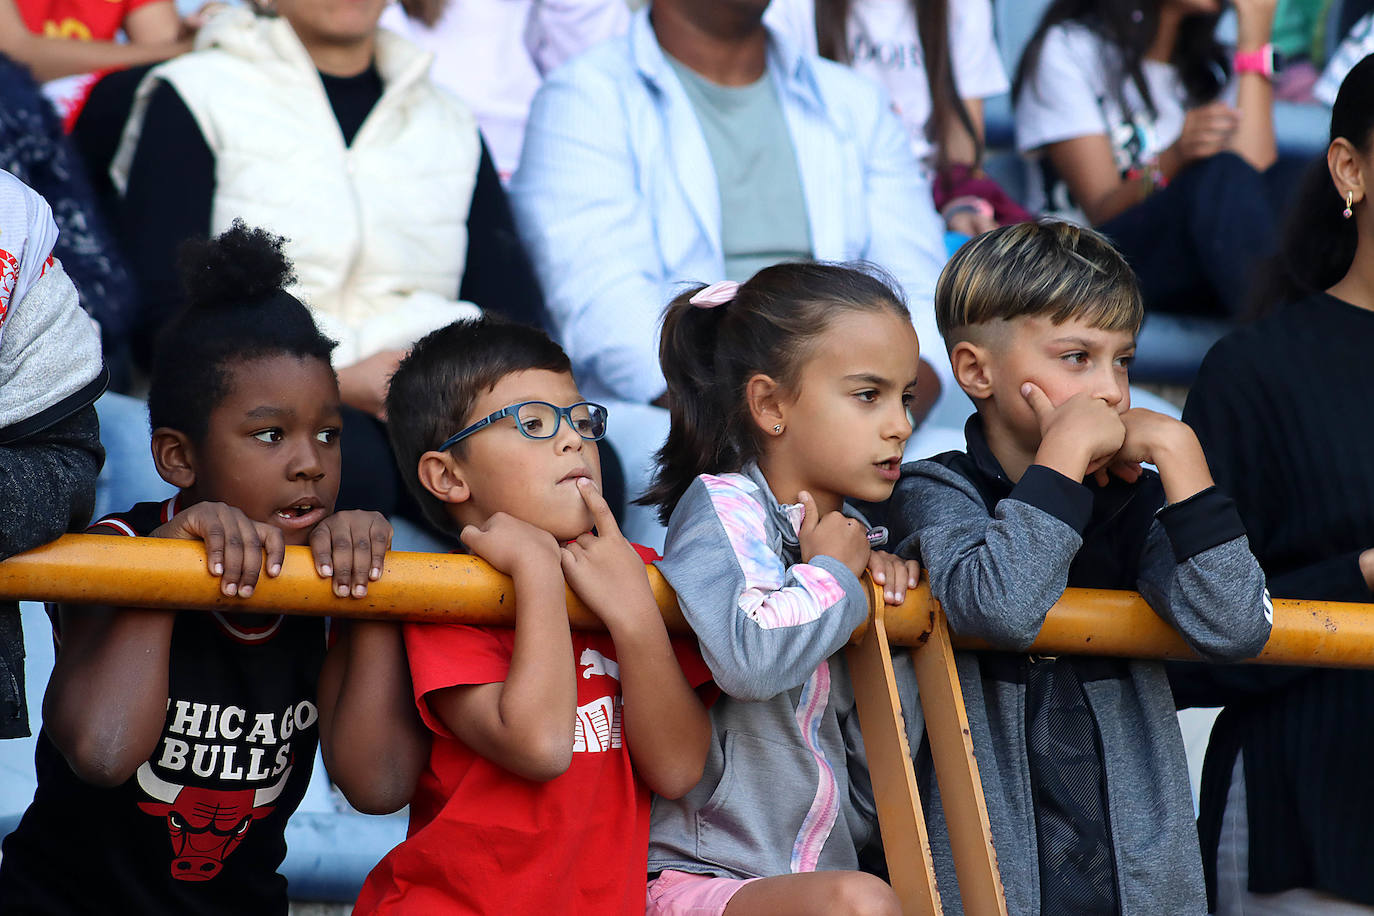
(540, 419)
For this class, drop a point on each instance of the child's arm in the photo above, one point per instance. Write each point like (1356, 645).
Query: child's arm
(154, 33)
(524, 723)
(763, 626)
(107, 698)
(373, 741)
(666, 727)
(374, 744)
(995, 576)
(1197, 570)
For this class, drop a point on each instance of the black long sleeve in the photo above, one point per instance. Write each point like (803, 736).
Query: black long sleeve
(498, 275)
(168, 200)
(1284, 413)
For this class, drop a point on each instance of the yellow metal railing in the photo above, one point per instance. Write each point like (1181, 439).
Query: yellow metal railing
(145, 572)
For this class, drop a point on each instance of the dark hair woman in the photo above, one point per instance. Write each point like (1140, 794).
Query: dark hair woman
(1282, 410)
(1137, 121)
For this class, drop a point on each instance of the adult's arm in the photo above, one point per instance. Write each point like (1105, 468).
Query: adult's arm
(154, 32)
(47, 481)
(590, 232)
(50, 375)
(168, 199)
(559, 30)
(1254, 139)
(498, 275)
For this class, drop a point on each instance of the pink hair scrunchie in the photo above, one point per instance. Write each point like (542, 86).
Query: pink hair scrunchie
(718, 293)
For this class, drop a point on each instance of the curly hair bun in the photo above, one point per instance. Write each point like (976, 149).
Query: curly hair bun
(243, 264)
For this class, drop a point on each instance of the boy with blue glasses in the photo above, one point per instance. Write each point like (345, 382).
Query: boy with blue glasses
(546, 743)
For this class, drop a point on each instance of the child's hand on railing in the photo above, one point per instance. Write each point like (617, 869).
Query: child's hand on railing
(234, 544)
(894, 574)
(603, 568)
(833, 535)
(350, 547)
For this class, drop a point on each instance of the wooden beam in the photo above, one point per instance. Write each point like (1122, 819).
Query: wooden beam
(956, 769)
(901, 821)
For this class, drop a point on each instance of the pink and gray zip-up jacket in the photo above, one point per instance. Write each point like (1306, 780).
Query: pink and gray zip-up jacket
(785, 787)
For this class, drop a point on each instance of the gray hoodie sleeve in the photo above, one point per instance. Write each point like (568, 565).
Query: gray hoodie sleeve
(1198, 573)
(995, 576)
(763, 626)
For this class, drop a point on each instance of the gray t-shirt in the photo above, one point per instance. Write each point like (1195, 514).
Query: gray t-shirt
(762, 207)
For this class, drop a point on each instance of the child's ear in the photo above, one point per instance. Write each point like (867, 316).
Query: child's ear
(972, 369)
(175, 457)
(444, 478)
(1343, 162)
(766, 404)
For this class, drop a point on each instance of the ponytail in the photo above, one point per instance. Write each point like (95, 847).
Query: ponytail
(699, 437)
(709, 352)
(1318, 244)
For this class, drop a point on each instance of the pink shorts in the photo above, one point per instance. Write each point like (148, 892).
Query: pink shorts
(678, 893)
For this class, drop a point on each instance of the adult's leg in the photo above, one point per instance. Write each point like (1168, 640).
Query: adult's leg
(1195, 243)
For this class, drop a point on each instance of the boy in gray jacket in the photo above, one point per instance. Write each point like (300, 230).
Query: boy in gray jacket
(1081, 758)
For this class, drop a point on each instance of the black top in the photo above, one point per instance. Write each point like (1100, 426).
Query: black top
(1285, 412)
(171, 192)
(201, 827)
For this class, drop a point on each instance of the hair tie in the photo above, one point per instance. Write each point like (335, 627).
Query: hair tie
(718, 293)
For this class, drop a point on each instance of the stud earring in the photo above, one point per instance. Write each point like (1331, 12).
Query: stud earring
(777, 427)
(1349, 202)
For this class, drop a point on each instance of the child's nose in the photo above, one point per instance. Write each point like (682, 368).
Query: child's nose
(306, 462)
(1111, 387)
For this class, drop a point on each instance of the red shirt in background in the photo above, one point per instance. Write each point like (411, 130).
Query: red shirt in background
(83, 20)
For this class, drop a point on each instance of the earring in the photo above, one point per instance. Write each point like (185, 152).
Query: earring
(1349, 202)
(777, 427)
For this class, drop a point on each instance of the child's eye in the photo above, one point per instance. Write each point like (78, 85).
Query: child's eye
(268, 435)
(1076, 358)
(1124, 362)
(533, 425)
(328, 436)
(868, 394)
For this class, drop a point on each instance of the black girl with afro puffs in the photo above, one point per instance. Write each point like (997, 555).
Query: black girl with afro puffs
(177, 743)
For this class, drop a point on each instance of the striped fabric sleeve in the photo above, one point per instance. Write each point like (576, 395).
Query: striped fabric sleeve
(763, 626)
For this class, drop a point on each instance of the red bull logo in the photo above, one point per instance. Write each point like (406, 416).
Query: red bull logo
(205, 825)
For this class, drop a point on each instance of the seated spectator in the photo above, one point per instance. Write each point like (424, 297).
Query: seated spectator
(1278, 405)
(325, 129)
(50, 372)
(703, 146)
(908, 47)
(493, 54)
(1139, 123)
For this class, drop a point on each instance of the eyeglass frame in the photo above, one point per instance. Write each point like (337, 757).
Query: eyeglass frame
(560, 414)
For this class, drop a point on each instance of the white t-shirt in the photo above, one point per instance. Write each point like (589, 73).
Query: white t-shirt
(493, 54)
(1069, 95)
(885, 46)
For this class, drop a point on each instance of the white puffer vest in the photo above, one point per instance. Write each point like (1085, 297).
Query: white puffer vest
(378, 229)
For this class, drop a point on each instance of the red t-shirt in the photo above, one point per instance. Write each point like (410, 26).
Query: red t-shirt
(84, 20)
(483, 840)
